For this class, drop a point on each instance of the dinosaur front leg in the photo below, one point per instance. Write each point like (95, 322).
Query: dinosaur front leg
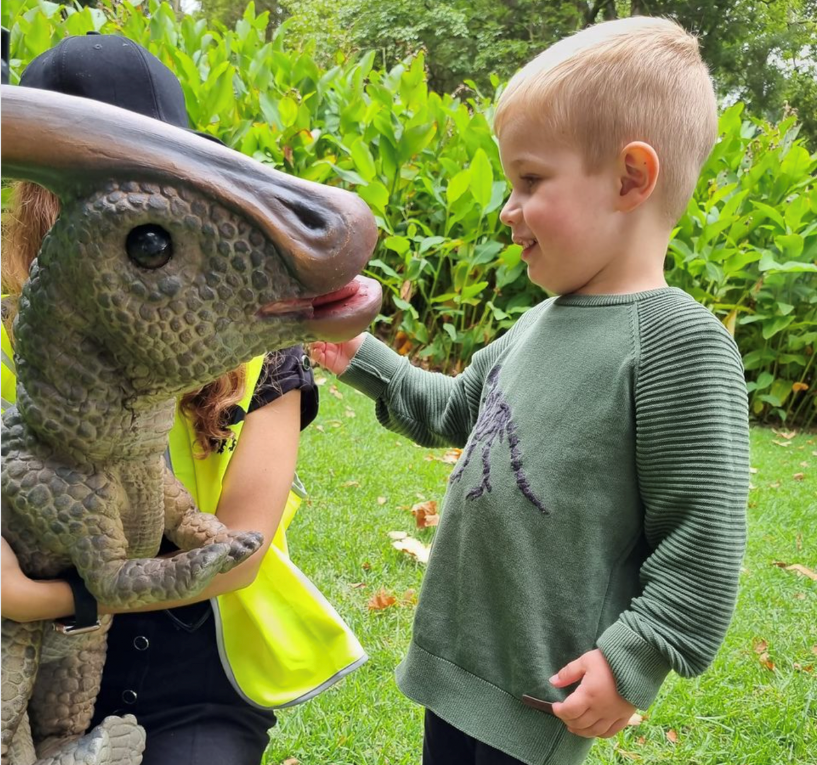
(21, 646)
(188, 528)
(101, 557)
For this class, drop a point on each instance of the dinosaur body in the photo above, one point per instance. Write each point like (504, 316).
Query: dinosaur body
(173, 261)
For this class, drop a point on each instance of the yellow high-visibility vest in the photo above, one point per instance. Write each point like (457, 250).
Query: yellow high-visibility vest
(280, 641)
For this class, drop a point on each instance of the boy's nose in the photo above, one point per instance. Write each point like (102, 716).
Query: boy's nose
(510, 212)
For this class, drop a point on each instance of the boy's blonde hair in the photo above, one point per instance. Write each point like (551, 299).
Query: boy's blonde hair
(635, 79)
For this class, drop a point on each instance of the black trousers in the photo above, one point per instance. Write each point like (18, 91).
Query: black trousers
(164, 668)
(443, 744)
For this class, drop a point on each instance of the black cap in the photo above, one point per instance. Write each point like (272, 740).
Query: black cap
(113, 70)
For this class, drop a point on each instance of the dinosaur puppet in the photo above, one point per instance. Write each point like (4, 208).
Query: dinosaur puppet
(173, 261)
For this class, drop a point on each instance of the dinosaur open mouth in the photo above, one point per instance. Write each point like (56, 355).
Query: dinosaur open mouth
(356, 303)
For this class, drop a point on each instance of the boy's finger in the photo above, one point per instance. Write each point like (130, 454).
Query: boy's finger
(573, 707)
(569, 674)
(586, 721)
(617, 726)
(591, 731)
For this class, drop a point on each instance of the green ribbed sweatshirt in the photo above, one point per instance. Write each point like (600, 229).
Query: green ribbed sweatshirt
(599, 503)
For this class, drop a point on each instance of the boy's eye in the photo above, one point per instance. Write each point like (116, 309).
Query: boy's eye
(530, 181)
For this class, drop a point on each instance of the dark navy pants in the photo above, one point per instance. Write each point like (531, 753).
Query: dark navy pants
(443, 744)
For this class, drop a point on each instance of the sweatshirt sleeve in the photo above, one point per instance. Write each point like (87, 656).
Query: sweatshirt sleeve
(430, 408)
(692, 459)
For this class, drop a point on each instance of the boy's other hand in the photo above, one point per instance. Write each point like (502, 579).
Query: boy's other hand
(335, 357)
(595, 707)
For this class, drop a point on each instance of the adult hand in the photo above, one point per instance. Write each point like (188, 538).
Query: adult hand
(335, 357)
(595, 708)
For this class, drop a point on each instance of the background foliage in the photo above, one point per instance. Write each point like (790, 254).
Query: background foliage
(428, 166)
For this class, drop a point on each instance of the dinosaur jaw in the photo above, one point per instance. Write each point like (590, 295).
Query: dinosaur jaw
(335, 316)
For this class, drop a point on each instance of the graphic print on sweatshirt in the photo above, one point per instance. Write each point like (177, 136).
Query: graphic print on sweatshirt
(495, 422)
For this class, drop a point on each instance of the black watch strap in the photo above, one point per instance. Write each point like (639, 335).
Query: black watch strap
(86, 613)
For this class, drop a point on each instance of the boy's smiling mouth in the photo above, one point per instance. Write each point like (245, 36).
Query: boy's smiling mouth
(526, 243)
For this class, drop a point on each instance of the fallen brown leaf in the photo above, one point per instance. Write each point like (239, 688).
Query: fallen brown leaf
(624, 754)
(672, 736)
(787, 434)
(291, 761)
(760, 646)
(641, 740)
(350, 413)
(775, 485)
(357, 585)
(350, 483)
(425, 514)
(366, 566)
(808, 668)
(781, 443)
(779, 563)
(320, 428)
(804, 464)
(407, 289)
(409, 598)
(380, 600)
(802, 570)
(410, 546)
(799, 476)
(636, 719)
(320, 381)
(798, 386)
(766, 661)
(381, 500)
(452, 456)
(814, 650)
(333, 389)
(752, 470)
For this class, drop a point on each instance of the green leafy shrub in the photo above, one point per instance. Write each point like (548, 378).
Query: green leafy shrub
(428, 166)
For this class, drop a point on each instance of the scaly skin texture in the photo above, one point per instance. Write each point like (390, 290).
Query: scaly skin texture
(103, 347)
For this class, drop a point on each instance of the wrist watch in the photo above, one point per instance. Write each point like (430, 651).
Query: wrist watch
(86, 613)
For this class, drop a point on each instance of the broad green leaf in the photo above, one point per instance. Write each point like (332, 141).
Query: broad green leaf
(791, 245)
(364, 161)
(458, 185)
(482, 178)
(288, 110)
(778, 323)
(350, 176)
(374, 194)
(414, 140)
(397, 243)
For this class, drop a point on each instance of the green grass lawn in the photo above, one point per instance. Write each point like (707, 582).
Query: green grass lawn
(756, 706)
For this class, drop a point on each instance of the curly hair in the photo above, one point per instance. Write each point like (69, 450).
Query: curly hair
(32, 211)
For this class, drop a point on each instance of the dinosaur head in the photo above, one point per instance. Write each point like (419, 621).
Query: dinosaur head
(176, 257)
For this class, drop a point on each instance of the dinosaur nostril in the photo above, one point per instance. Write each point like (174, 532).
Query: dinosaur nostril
(310, 217)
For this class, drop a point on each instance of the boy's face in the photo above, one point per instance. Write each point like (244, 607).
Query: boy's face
(564, 217)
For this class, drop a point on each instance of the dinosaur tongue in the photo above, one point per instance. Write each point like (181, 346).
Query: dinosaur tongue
(296, 305)
(335, 297)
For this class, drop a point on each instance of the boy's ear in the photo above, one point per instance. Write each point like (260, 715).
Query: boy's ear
(638, 169)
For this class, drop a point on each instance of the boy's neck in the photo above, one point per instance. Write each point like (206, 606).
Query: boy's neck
(638, 263)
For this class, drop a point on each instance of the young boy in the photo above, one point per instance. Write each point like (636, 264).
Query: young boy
(593, 529)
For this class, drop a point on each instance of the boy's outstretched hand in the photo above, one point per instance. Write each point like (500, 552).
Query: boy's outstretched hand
(335, 357)
(595, 707)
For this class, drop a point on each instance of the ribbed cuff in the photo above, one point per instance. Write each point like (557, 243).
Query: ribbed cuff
(372, 368)
(638, 668)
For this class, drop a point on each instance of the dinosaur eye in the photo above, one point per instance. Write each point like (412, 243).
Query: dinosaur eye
(149, 246)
